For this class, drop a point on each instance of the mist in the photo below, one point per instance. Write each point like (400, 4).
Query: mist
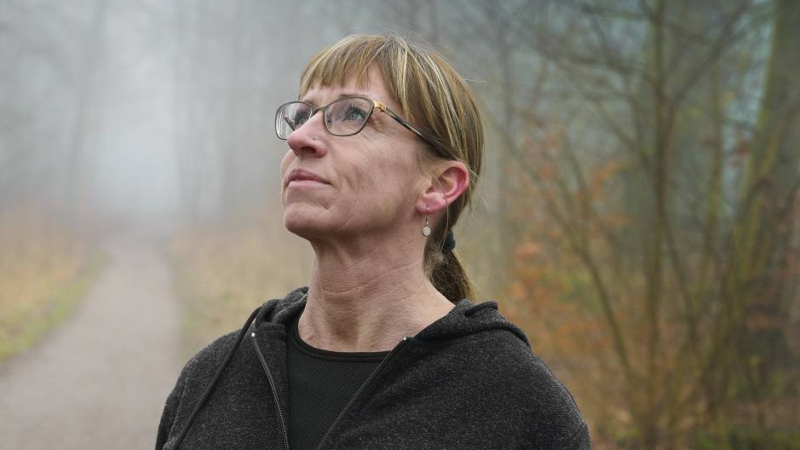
(637, 215)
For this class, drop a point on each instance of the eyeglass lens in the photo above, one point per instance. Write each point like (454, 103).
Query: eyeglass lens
(344, 117)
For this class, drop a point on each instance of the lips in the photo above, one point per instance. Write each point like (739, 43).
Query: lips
(303, 175)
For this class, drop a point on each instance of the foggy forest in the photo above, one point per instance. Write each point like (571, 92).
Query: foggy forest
(638, 215)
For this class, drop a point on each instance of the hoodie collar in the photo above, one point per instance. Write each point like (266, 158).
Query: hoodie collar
(464, 319)
(282, 311)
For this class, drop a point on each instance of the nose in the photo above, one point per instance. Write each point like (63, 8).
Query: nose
(309, 139)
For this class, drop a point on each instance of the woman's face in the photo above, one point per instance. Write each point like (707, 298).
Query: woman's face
(370, 181)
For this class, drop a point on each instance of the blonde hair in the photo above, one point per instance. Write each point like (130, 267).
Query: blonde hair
(434, 98)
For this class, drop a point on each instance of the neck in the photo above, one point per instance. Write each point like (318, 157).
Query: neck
(366, 298)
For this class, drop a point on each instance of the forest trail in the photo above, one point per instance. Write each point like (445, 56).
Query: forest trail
(99, 380)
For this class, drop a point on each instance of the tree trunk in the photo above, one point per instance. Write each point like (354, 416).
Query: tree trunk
(75, 151)
(762, 237)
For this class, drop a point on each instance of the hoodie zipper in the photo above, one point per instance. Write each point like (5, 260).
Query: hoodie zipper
(360, 389)
(274, 392)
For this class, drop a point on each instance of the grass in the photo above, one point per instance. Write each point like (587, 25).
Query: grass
(26, 326)
(44, 272)
(751, 438)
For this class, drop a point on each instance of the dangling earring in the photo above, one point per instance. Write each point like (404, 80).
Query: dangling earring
(426, 230)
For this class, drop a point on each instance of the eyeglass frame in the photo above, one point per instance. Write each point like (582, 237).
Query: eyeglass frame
(374, 104)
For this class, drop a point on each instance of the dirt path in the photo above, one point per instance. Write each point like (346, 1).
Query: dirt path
(100, 379)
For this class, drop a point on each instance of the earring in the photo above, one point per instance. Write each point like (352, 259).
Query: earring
(426, 230)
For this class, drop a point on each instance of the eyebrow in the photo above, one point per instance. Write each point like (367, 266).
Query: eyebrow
(342, 95)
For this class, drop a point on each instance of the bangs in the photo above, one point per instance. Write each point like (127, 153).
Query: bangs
(351, 58)
(334, 65)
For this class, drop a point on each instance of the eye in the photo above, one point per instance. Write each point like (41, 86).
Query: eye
(355, 113)
(298, 119)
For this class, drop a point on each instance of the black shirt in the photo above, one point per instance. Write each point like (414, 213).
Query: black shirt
(321, 383)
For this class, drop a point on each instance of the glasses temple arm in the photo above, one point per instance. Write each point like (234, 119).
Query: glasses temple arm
(408, 126)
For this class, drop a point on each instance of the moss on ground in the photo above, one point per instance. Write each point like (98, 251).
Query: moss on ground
(28, 325)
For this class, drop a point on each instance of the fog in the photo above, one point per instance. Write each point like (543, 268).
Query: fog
(150, 110)
(637, 215)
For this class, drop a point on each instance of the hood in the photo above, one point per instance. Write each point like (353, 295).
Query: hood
(464, 319)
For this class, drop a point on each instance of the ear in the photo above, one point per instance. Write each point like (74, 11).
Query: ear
(446, 183)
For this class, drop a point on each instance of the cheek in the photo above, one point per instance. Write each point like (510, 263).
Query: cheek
(285, 162)
(380, 179)
(287, 159)
(389, 178)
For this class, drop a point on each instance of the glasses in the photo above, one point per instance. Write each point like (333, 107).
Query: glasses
(344, 117)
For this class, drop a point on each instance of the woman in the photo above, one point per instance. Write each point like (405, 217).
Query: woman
(383, 349)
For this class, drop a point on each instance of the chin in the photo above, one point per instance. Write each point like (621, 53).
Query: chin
(304, 223)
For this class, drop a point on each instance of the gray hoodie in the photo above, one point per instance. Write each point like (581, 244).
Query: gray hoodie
(467, 381)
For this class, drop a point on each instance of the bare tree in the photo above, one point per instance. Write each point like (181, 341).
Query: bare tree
(631, 153)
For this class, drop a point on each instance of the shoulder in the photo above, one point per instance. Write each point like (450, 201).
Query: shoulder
(537, 393)
(523, 389)
(207, 360)
(501, 354)
(194, 377)
(495, 383)
(203, 364)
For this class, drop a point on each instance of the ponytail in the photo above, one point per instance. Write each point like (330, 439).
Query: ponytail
(445, 270)
(451, 280)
